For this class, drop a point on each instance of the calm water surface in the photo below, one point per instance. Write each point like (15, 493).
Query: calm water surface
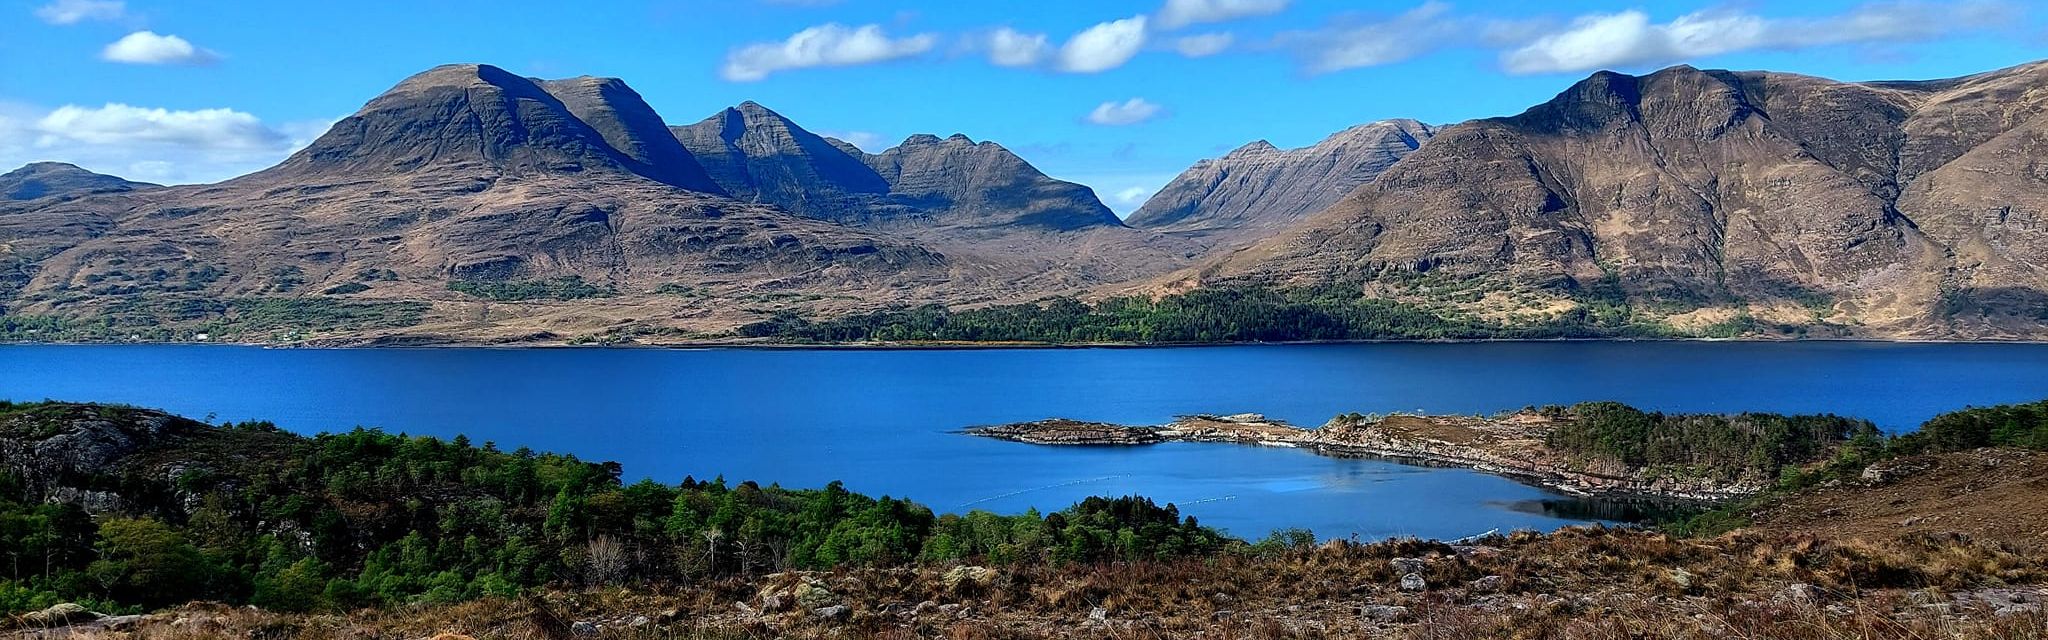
(882, 420)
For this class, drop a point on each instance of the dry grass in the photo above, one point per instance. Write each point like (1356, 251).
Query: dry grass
(1592, 584)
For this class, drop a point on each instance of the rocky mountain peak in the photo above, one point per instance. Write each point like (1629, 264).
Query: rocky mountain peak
(468, 118)
(755, 153)
(43, 179)
(633, 128)
(1260, 186)
(1250, 149)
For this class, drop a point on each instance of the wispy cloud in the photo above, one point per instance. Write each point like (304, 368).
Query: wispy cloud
(1104, 46)
(76, 11)
(1352, 42)
(828, 45)
(1205, 45)
(1629, 38)
(1128, 112)
(1180, 13)
(149, 47)
(868, 141)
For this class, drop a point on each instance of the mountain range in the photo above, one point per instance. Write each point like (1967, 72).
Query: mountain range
(470, 204)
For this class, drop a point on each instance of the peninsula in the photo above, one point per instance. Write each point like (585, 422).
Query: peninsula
(1599, 449)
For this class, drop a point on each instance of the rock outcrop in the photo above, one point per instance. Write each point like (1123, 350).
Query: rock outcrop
(1258, 187)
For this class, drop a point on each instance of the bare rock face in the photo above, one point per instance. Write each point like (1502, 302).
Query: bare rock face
(1259, 187)
(48, 179)
(757, 154)
(633, 128)
(1897, 209)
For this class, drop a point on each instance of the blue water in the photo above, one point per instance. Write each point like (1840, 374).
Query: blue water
(882, 420)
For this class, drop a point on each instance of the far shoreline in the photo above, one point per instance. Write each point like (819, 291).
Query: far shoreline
(372, 344)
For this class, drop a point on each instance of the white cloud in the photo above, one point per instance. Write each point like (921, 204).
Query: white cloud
(1131, 198)
(1012, 48)
(1629, 38)
(868, 141)
(1104, 46)
(829, 45)
(76, 11)
(1204, 45)
(118, 123)
(150, 144)
(1353, 43)
(1128, 112)
(147, 47)
(1181, 13)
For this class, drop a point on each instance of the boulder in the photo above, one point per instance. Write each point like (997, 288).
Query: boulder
(834, 612)
(1413, 582)
(812, 594)
(968, 577)
(1383, 612)
(59, 615)
(1406, 566)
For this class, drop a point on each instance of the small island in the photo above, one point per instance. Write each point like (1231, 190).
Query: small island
(1600, 449)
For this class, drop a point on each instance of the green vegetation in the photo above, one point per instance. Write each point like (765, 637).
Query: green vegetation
(2023, 426)
(2014, 425)
(346, 288)
(565, 288)
(1725, 446)
(255, 515)
(246, 513)
(180, 319)
(1204, 315)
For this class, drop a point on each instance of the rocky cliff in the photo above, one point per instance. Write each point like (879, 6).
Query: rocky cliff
(1900, 209)
(1258, 187)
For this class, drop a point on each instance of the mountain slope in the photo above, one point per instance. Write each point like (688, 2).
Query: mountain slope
(464, 173)
(45, 179)
(1889, 209)
(632, 127)
(758, 155)
(1261, 187)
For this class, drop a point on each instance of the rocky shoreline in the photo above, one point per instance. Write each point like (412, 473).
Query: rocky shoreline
(1510, 445)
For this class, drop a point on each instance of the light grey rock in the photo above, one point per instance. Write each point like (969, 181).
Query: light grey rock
(1384, 613)
(1413, 582)
(59, 615)
(1408, 565)
(834, 612)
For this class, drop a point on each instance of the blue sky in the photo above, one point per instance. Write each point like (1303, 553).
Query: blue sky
(1116, 95)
